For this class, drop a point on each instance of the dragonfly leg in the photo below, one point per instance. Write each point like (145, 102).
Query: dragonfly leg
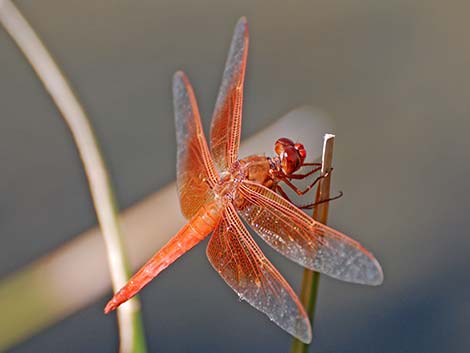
(309, 206)
(302, 176)
(312, 205)
(303, 192)
(281, 192)
(311, 164)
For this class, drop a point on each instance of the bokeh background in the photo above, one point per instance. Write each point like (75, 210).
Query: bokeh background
(393, 75)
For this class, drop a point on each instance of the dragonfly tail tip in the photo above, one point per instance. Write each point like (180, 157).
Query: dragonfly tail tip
(110, 306)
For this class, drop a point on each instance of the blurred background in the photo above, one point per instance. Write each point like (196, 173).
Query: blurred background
(394, 77)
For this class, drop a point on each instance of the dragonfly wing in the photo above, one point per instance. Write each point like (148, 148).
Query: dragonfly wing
(303, 240)
(238, 259)
(227, 117)
(195, 170)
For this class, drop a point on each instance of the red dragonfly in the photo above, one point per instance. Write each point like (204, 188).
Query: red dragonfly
(215, 188)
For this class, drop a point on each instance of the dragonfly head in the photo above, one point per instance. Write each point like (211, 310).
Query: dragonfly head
(292, 155)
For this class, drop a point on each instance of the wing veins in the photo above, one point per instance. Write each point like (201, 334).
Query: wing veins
(304, 240)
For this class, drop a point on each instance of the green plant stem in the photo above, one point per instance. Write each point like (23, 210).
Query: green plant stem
(310, 281)
(130, 323)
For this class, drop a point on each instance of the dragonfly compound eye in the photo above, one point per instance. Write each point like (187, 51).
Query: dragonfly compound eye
(282, 144)
(290, 160)
(301, 151)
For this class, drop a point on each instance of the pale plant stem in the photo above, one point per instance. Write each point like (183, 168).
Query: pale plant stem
(310, 281)
(130, 328)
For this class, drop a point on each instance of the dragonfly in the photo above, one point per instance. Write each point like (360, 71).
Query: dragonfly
(217, 190)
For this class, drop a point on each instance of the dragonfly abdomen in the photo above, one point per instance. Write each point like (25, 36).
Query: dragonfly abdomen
(199, 227)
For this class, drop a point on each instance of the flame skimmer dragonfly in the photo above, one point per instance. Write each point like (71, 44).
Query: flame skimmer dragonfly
(216, 188)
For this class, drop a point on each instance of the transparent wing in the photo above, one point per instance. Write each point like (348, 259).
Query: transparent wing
(195, 172)
(227, 117)
(238, 259)
(303, 240)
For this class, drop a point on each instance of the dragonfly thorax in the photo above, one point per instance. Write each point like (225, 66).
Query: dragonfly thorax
(259, 169)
